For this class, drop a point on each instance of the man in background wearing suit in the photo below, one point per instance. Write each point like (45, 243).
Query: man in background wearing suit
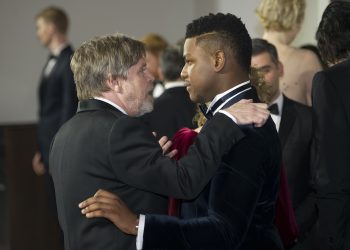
(173, 109)
(105, 145)
(236, 209)
(331, 106)
(57, 95)
(294, 125)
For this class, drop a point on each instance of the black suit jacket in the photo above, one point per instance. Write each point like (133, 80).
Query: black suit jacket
(237, 208)
(331, 105)
(57, 101)
(172, 111)
(102, 148)
(295, 133)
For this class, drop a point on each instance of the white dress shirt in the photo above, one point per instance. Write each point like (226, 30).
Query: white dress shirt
(170, 85)
(277, 118)
(111, 103)
(52, 62)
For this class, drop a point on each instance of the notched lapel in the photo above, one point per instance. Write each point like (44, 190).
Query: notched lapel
(287, 120)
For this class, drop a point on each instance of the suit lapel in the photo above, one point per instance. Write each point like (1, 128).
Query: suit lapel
(287, 120)
(249, 94)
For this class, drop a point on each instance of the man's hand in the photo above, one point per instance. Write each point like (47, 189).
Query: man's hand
(247, 112)
(38, 165)
(108, 205)
(166, 144)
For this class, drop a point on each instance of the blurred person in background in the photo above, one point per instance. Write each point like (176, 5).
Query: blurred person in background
(294, 125)
(154, 44)
(282, 20)
(331, 106)
(57, 94)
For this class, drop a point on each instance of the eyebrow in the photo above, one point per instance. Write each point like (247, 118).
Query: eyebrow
(264, 67)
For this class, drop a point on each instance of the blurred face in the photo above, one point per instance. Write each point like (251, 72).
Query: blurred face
(270, 71)
(198, 72)
(137, 89)
(44, 31)
(153, 64)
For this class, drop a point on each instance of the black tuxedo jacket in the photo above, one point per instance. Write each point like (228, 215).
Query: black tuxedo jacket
(102, 148)
(172, 111)
(295, 133)
(57, 101)
(236, 209)
(331, 105)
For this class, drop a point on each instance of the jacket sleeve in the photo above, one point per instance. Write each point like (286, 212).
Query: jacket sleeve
(138, 161)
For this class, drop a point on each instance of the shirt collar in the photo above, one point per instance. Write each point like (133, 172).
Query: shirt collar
(217, 97)
(57, 51)
(111, 103)
(175, 84)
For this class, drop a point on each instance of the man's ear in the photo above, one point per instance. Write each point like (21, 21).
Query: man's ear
(219, 60)
(160, 74)
(52, 29)
(114, 83)
(280, 69)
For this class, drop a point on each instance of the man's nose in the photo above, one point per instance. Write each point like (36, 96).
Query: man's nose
(150, 76)
(183, 73)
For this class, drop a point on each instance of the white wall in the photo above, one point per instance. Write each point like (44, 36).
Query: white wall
(22, 57)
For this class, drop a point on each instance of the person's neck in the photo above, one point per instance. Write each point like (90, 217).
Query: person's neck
(277, 38)
(118, 100)
(274, 98)
(57, 42)
(230, 82)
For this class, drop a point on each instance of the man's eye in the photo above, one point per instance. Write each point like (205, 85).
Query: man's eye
(264, 70)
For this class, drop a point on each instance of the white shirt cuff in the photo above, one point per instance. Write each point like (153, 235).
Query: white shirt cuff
(229, 115)
(140, 230)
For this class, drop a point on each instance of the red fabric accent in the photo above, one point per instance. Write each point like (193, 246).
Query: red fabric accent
(182, 140)
(285, 218)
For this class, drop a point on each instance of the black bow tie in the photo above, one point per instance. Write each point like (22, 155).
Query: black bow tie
(52, 56)
(274, 109)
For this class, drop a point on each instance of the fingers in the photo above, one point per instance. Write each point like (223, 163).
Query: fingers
(96, 206)
(172, 153)
(245, 101)
(101, 196)
(166, 144)
(163, 140)
(167, 147)
(100, 210)
(247, 112)
(97, 214)
(105, 193)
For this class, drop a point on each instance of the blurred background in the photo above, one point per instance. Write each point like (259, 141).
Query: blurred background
(24, 220)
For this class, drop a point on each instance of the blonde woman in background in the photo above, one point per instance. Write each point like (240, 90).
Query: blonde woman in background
(282, 20)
